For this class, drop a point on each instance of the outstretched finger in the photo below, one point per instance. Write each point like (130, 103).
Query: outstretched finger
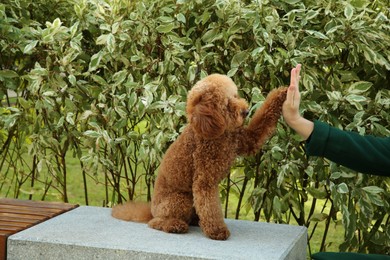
(292, 87)
(293, 95)
(294, 77)
(297, 75)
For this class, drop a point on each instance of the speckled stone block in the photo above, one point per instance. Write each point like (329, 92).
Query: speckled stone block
(91, 233)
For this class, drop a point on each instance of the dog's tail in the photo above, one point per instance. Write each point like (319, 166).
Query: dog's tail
(133, 211)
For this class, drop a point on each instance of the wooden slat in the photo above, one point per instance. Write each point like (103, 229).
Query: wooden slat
(10, 229)
(37, 204)
(6, 215)
(6, 223)
(28, 211)
(18, 218)
(17, 215)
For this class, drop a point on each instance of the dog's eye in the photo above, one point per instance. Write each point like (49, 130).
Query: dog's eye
(244, 113)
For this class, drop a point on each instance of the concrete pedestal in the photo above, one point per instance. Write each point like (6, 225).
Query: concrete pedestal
(91, 233)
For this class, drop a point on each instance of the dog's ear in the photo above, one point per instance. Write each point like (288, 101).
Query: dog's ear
(206, 115)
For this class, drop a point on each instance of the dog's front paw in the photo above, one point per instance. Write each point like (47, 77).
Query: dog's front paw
(220, 232)
(276, 98)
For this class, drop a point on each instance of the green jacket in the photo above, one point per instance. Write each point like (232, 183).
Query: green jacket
(365, 154)
(348, 256)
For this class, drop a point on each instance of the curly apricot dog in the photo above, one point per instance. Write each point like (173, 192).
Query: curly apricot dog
(186, 187)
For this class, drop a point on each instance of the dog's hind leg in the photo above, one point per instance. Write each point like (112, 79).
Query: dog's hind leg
(169, 225)
(172, 213)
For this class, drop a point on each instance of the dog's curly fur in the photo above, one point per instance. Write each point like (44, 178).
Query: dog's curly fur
(186, 188)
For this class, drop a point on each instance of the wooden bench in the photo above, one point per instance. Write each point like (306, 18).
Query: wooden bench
(17, 215)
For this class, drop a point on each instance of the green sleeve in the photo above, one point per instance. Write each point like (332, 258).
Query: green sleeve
(366, 154)
(348, 256)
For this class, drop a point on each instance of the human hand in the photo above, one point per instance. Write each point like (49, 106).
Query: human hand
(293, 99)
(290, 109)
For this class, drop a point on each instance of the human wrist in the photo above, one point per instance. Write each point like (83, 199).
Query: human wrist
(302, 126)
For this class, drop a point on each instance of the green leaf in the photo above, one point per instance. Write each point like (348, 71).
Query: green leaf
(86, 114)
(69, 118)
(119, 76)
(72, 80)
(334, 95)
(26, 104)
(115, 28)
(348, 11)
(181, 18)
(111, 43)
(360, 3)
(49, 93)
(375, 199)
(121, 112)
(57, 23)
(317, 34)
(311, 14)
(359, 87)
(92, 134)
(257, 51)
(374, 57)
(204, 18)
(95, 61)
(8, 74)
(99, 80)
(342, 188)
(29, 47)
(318, 217)
(165, 28)
(356, 100)
(238, 59)
(346, 217)
(269, 18)
(232, 72)
(102, 39)
(318, 193)
(335, 175)
(277, 153)
(212, 35)
(373, 189)
(166, 19)
(291, 2)
(277, 205)
(74, 28)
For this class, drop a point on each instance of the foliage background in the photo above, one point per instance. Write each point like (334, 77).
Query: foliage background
(103, 84)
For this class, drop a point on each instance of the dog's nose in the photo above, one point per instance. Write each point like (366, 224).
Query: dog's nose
(244, 112)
